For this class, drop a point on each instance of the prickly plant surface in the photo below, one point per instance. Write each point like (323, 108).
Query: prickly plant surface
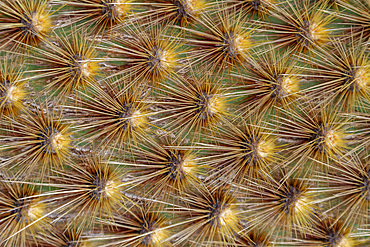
(195, 123)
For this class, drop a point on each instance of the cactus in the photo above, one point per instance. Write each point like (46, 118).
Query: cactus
(195, 123)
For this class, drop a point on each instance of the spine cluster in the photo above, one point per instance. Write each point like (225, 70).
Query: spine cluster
(195, 123)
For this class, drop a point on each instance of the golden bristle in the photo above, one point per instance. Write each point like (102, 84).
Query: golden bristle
(22, 214)
(212, 216)
(59, 236)
(144, 54)
(89, 189)
(254, 8)
(144, 226)
(304, 26)
(12, 88)
(341, 76)
(27, 22)
(160, 169)
(329, 232)
(271, 80)
(314, 133)
(255, 239)
(192, 104)
(278, 204)
(70, 64)
(192, 123)
(357, 20)
(362, 121)
(220, 42)
(36, 141)
(95, 15)
(346, 190)
(112, 115)
(183, 12)
(239, 151)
